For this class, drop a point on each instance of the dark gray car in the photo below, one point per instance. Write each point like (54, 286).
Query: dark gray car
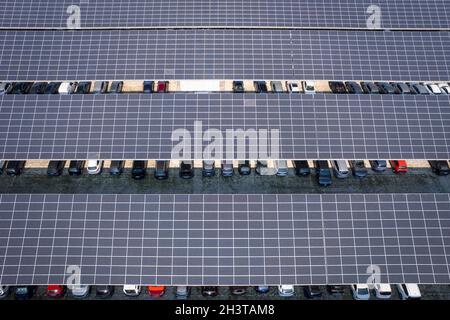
(358, 168)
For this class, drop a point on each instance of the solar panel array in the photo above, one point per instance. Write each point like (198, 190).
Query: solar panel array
(140, 126)
(234, 13)
(224, 239)
(224, 54)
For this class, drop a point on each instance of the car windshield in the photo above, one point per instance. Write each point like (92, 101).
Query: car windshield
(363, 291)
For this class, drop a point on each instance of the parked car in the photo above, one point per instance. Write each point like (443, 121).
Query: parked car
(378, 165)
(445, 88)
(227, 169)
(100, 87)
(24, 292)
(5, 87)
(418, 88)
(76, 167)
(312, 292)
(52, 88)
(353, 87)
(132, 290)
(139, 170)
(323, 172)
(104, 292)
(21, 87)
(15, 168)
(276, 86)
(208, 168)
(162, 169)
(383, 291)
(210, 291)
(301, 167)
(340, 169)
(399, 166)
(369, 87)
(308, 87)
(433, 88)
(116, 87)
(244, 167)
(292, 87)
(83, 87)
(162, 87)
(262, 289)
(262, 168)
(409, 291)
(286, 291)
(238, 86)
(334, 289)
(148, 86)
(116, 167)
(182, 292)
(360, 291)
(260, 86)
(2, 166)
(4, 291)
(402, 87)
(55, 291)
(156, 291)
(94, 166)
(55, 168)
(439, 167)
(67, 87)
(38, 88)
(387, 88)
(238, 291)
(187, 169)
(282, 168)
(80, 291)
(358, 168)
(337, 87)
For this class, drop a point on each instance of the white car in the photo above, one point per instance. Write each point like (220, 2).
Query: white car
(286, 291)
(131, 290)
(445, 88)
(281, 167)
(81, 291)
(67, 87)
(360, 291)
(4, 291)
(309, 87)
(292, 87)
(383, 291)
(409, 291)
(433, 88)
(94, 166)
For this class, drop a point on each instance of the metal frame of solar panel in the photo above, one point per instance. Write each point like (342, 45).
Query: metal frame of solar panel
(224, 54)
(224, 239)
(251, 13)
(140, 126)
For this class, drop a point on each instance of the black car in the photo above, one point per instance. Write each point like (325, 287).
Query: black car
(370, 87)
(104, 292)
(139, 170)
(358, 168)
(335, 289)
(418, 88)
(100, 87)
(301, 167)
(260, 86)
(210, 291)
(387, 88)
(238, 291)
(238, 86)
(353, 87)
(116, 167)
(21, 87)
(162, 169)
(55, 168)
(337, 87)
(148, 86)
(186, 170)
(244, 168)
(312, 292)
(15, 168)
(378, 165)
(76, 167)
(402, 88)
(52, 88)
(83, 87)
(38, 88)
(323, 172)
(439, 167)
(116, 87)
(24, 292)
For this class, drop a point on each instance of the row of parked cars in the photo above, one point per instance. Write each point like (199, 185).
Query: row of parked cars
(359, 291)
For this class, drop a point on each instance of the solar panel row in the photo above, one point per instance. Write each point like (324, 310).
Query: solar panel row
(234, 13)
(224, 54)
(140, 126)
(224, 239)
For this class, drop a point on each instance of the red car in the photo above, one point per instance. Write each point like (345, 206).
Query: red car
(156, 291)
(55, 291)
(162, 87)
(399, 166)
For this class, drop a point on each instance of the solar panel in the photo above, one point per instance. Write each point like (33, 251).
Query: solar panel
(224, 239)
(251, 13)
(224, 54)
(140, 126)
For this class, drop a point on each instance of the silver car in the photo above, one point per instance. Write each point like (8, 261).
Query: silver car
(80, 291)
(276, 86)
(182, 292)
(281, 167)
(340, 169)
